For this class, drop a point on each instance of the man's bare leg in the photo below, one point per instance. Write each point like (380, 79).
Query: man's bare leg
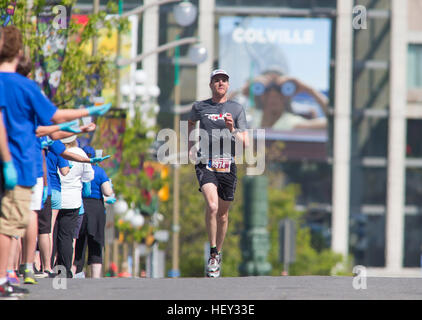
(222, 222)
(54, 213)
(5, 241)
(209, 190)
(45, 253)
(30, 239)
(96, 270)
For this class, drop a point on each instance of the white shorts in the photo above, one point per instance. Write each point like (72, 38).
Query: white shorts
(36, 199)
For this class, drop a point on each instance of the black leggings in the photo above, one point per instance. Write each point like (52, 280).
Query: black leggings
(67, 220)
(95, 249)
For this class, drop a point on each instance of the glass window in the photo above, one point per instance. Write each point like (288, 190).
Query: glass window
(368, 186)
(371, 56)
(412, 241)
(371, 4)
(279, 3)
(314, 178)
(414, 186)
(319, 224)
(370, 137)
(414, 146)
(367, 239)
(414, 66)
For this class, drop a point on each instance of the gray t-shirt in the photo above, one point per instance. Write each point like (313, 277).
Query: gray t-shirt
(211, 117)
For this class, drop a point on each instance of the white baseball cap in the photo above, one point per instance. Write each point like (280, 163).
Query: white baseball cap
(217, 72)
(68, 139)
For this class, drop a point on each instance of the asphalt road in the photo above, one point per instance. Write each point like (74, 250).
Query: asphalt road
(242, 288)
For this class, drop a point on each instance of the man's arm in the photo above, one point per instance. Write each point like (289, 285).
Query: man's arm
(58, 135)
(78, 158)
(242, 136)
(64, 115)
(64, 170)
(46, 130)
(191, 127)
(4, 146)
(192, 152)
(106, 189)
(74, 157)
(319, 97)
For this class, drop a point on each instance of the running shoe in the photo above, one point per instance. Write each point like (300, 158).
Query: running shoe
(21, 270)
(50, 274)
(13, 278)
(11, 292)
(29, 277)
(17, 291)
(40, 274)
(214, 266)
(5, 293)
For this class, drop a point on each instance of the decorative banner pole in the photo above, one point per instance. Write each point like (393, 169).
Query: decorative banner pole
(52, 22)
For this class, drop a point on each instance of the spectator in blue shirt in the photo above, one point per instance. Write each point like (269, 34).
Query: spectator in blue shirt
(23, 106)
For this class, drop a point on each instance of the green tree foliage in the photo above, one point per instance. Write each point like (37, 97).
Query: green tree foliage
(139, 178)
(78, 63)
(309, 261)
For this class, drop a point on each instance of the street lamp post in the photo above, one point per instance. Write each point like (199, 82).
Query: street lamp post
(119, 51)
(185, 14)
(176, 183)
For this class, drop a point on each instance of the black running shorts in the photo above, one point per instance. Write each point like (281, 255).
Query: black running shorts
(225, 182)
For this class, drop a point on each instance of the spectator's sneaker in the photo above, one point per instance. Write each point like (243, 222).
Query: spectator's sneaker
(79, 275)
(13, 278)
(214, 265)
(5, 293)
(29, 278)
(16, 291)
(40, 274)
(50, 274)
(21, 270)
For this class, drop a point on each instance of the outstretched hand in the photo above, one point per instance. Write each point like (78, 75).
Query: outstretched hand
(71, 126)
(99, 110)
(98, 159)
(88, 128)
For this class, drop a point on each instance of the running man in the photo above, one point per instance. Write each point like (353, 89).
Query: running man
(224, 122)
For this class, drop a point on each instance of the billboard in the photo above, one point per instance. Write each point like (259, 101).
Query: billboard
(280, 72)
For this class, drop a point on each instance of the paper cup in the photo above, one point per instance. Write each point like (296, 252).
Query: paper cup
(99, 153)
(86, 121)
(98, 101)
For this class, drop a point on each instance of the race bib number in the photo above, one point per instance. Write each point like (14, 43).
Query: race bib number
(221, 165)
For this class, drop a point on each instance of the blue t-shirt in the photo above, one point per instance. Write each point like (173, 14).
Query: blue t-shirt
(40, 170)
(53, 162)
(2, 94)
(99, 178)
(57, 147)
(25, 106)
